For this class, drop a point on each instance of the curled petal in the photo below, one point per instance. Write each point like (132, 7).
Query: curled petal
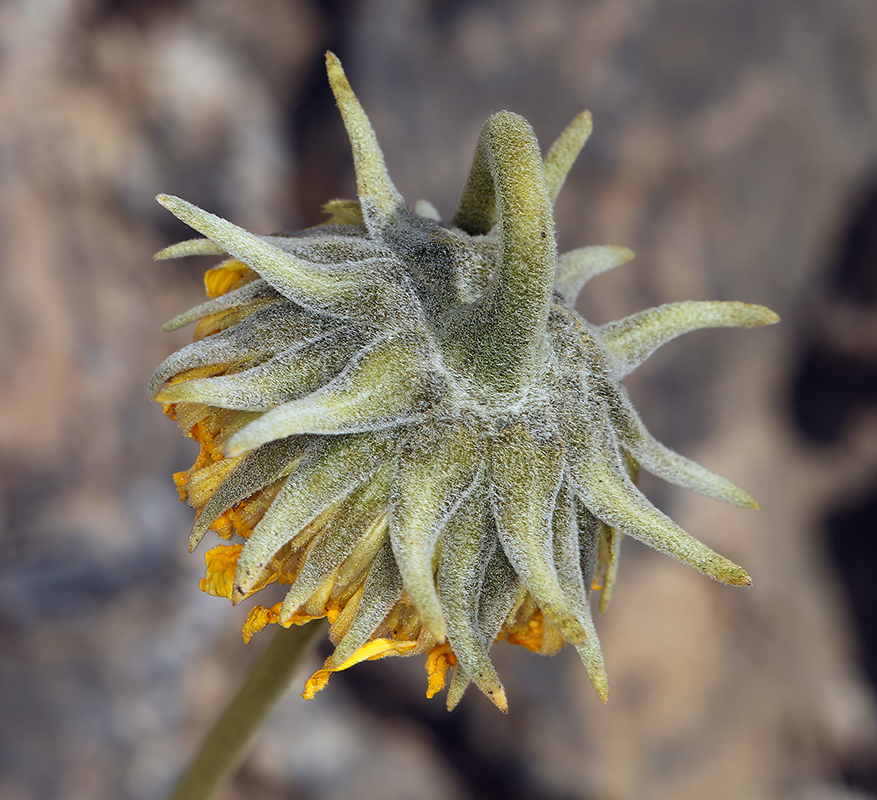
(373, 650)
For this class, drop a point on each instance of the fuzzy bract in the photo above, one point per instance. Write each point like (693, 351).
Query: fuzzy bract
(406, 421)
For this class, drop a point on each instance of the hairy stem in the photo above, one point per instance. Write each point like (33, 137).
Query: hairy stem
(228, 742)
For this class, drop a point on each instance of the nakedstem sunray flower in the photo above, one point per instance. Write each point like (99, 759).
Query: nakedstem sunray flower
(405, 420)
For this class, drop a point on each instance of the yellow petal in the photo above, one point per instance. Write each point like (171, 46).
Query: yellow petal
(370, 651)
(438, 661)
(258, 618)
(227, 276)
(221, 564)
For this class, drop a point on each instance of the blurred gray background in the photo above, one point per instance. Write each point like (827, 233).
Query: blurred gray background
(735, 149)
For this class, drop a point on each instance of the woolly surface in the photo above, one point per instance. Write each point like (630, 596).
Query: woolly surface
(731, 143)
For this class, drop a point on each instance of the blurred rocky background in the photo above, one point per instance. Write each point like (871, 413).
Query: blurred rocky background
(735, 149)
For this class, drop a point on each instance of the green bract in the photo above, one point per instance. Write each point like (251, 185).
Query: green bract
(442, 443)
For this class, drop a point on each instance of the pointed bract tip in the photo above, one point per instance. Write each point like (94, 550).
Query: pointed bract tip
(379, 199)
(196, 535)
(189, 247)
(742, 499)
(760, 315)
(171, 203)
(599, 678)
(177, 206)
(584, 122)
(623, 254)
(578, 131)
(337, 77)
(735, 576)
(498, 698)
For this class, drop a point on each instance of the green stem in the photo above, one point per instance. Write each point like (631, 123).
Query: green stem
(228, 742)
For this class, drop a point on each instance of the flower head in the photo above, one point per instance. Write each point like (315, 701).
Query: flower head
(405, 420)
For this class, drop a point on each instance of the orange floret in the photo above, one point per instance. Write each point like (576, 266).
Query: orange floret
(227, 277)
